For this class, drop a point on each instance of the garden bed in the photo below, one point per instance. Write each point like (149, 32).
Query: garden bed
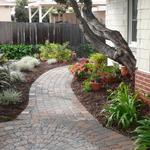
(94, 102)
(12, 111)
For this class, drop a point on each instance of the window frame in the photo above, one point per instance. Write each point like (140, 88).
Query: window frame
(130, 19)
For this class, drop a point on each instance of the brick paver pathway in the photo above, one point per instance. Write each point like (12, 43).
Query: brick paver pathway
(55, 120)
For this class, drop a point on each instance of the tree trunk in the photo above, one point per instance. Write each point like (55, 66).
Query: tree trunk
(96, 33)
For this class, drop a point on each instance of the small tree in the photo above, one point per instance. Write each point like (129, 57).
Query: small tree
(96, 33)
(21, 12)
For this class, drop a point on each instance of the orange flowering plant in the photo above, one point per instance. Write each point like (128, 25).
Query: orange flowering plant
(79, 69)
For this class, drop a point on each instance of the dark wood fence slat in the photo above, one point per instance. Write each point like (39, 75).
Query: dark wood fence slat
(38, 33)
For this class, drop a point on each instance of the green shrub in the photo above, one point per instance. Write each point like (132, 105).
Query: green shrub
(19, 51)
(122, 107)
(143, 135)
(98, 59)
(47, 50)
(63, 55)
(113, 70)
(85, 50)
(59, 52)
(86, 86)
(9, 97)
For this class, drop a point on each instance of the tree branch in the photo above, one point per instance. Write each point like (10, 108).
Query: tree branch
(95, 32)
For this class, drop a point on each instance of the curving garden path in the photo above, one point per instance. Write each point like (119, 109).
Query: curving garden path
(55, 120)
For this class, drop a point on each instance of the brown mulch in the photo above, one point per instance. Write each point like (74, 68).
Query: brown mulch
(12, 111)
(95, 102)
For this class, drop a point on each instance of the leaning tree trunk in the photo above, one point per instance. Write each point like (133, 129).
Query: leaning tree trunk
(96, 33)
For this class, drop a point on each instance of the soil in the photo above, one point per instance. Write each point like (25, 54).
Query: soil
(10, 112)
(95, 102)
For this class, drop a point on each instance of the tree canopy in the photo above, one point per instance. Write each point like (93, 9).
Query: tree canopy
(21, 12)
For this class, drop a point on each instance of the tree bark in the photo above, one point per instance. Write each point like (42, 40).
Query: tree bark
(96, 33)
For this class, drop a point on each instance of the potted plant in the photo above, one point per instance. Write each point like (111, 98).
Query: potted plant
(96, 82)
(124, 71)
(109, 74)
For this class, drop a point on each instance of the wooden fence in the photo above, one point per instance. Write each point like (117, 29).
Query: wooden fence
(38, 33)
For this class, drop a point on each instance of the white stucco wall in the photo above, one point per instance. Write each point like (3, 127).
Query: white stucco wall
(143, 35)
(116, 15)
(5, 13)
(117, 18)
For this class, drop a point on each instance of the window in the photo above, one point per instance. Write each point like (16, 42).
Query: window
(132, 21)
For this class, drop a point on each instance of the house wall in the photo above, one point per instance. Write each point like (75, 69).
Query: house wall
(5, 13)
(117, 18)
(116, 15)
(100, 15)
(143, 47)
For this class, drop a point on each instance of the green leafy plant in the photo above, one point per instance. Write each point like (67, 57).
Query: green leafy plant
(143, 135)
(122, 107)
(86, 86)
(98, 59)
(9, 97)
(19, 51)
(63, 55)
(110, 69)
(95, 77)
(85, 50)
(59, 52)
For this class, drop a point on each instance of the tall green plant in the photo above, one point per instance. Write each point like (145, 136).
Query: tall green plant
(122, 107)
(143, 135)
